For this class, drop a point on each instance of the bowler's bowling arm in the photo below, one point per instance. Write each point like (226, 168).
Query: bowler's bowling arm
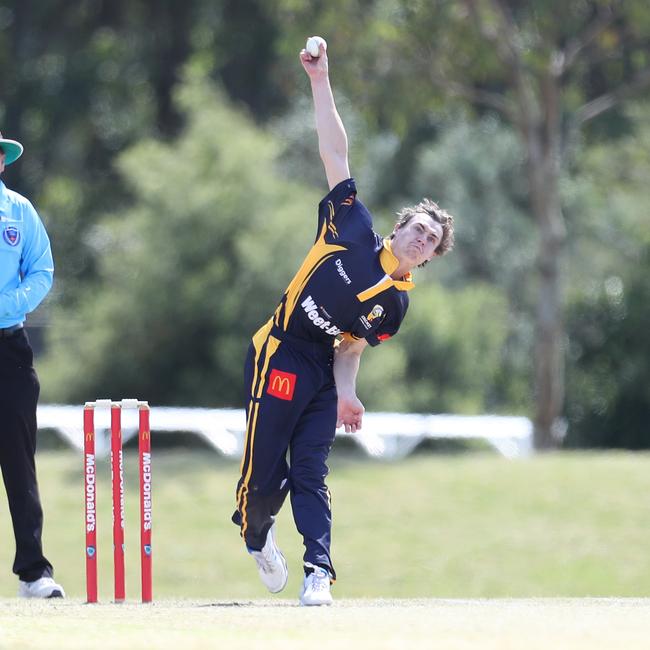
(332, 138)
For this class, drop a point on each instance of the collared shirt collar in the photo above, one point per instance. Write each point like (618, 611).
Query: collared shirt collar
(389, 263)
(3, 201)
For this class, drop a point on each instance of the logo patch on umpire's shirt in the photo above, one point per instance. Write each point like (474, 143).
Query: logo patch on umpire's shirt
(11, 235)
(281, 384)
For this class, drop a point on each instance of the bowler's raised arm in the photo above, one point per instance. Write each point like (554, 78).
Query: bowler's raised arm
(332, 139)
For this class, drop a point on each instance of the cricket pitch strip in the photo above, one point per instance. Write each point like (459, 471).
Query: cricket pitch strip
(377, 624)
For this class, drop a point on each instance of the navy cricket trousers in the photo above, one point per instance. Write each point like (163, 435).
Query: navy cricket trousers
(19, 390)
(291, 407)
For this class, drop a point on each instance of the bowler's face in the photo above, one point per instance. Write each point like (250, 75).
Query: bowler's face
(416, 241)
(2, 161)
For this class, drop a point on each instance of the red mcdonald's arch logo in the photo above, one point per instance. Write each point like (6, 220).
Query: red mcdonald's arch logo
(281, 384)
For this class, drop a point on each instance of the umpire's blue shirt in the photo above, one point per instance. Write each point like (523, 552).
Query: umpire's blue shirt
(26, 266)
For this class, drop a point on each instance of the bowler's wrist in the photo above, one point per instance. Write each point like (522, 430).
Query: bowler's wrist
(346, 393)
(322, 81)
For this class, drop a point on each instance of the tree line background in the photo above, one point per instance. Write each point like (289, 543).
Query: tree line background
(171, 151)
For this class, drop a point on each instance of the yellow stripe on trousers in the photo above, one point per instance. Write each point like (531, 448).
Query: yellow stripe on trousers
(261, 340)
(258, 343)
(244, 488)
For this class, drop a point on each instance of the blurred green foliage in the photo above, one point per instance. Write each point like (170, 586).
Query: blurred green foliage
(190, 269)
(608, 401)
(190, 275)
(445, 357)
(609, 377)
(170, 149)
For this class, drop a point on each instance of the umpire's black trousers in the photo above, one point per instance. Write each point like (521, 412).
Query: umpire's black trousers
(19, 389)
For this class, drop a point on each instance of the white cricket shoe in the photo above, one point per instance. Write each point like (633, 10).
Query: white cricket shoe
(271, 564)
(316, 587)
(42, 588)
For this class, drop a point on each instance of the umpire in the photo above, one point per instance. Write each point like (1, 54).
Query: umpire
(26, 271)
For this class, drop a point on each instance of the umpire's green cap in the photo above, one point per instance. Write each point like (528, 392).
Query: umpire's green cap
(13, 150)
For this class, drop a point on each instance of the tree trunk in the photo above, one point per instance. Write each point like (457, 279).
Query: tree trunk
(543, 166)
(549, 353)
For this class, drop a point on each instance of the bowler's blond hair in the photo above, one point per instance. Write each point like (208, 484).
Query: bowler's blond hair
(427, 206)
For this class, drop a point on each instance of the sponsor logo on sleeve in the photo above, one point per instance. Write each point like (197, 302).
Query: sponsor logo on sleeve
(314, 316)
(11, 235)
(377, 312)
(281, 384)
(383, 337)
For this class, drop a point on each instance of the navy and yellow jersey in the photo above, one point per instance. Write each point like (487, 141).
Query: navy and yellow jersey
(344, 284)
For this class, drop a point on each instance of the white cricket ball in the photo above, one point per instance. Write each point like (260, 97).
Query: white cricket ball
(312, 45)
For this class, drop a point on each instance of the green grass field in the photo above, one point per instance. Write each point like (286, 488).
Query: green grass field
(432, 526)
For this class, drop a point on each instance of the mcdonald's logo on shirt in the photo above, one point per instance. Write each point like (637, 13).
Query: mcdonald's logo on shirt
(281, 384)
